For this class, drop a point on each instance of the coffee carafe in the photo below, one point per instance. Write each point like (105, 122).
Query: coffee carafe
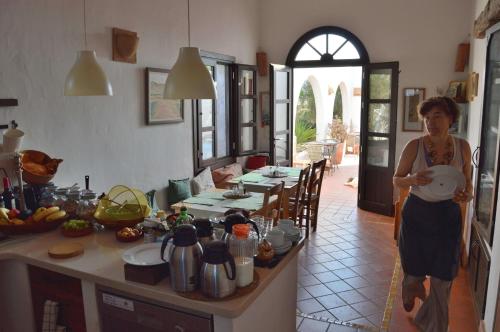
(184, 258)
(204, 231)
(235, 219)
(218, 270)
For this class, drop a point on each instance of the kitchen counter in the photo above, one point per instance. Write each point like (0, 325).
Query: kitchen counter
(101, 265)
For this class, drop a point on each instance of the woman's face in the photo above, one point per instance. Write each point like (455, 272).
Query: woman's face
(437, 121)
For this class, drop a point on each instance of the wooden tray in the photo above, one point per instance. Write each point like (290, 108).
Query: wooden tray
(199, 296)
(33, 227)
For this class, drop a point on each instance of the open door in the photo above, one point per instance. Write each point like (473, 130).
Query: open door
(281, 114)
(378, 137)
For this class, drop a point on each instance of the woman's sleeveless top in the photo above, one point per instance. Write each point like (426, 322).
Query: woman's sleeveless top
(421, 163)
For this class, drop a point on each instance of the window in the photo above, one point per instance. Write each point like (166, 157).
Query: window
(211, 120)
(225, 127)
(327, 46)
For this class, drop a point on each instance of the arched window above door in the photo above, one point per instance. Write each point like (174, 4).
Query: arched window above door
(327, 46)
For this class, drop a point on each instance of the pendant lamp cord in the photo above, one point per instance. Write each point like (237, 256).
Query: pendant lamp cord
(85, 23)
(189, 27)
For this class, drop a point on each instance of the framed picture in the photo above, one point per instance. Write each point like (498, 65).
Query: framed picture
(265, 115)
(158, 109)
(411, 98)
(456, 90)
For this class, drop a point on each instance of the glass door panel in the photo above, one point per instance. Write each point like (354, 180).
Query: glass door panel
(379, 118)
(247, 82)
(380, 83)
(247, 111)
(487, 179)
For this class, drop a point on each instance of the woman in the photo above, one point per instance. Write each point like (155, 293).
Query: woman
(429, 239)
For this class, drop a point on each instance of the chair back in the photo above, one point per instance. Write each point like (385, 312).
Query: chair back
(267, 205)
(300, 194)
(316, 179)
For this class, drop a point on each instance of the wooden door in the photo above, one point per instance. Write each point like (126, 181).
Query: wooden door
(281, 115)
(378, 137)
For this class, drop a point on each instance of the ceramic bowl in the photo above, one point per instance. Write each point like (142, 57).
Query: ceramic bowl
(285, 223)
(276, 237)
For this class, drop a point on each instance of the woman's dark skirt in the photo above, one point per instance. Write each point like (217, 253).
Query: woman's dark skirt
(429, 239)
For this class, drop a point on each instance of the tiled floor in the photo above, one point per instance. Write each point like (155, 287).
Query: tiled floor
(346, 267)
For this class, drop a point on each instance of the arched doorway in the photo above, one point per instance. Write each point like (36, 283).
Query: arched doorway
(327, 48)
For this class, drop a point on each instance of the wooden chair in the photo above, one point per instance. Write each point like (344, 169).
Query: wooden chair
(398, 207)
(311, 201)
(268, 206)
(296, 208)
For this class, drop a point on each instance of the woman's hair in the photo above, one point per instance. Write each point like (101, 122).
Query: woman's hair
(446, 104)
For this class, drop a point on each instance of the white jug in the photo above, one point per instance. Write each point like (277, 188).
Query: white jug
(12, 140)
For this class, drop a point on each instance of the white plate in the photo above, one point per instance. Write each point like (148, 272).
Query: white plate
(145, 254)
(445, 181)
(283, 248)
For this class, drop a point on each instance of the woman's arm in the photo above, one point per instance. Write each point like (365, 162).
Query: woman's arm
(401, 178)
(466, 194)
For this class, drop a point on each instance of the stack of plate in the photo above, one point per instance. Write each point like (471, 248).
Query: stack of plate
(287, 244)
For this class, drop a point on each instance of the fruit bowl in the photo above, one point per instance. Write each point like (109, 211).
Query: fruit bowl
(86, 228)
(31, 227)
(122, 237)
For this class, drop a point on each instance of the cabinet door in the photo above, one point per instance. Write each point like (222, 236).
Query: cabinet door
(67, 291)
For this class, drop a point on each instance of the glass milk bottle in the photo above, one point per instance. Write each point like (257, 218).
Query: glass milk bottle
(242, 247)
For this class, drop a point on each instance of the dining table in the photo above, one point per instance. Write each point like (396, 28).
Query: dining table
(212, 203)
(263, 179)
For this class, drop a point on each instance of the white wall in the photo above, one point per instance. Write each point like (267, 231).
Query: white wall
(106, 137)
(422, 35)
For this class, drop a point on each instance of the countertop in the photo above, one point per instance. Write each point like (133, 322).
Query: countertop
(101, 263)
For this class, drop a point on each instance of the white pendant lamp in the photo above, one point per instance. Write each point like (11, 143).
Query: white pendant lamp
(189, 78)
(86, 77)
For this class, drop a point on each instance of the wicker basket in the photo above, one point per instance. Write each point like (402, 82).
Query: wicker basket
(32, 227)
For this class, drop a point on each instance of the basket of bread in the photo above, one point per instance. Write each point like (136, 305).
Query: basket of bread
(43, 220)
(122, 207)
(38, 167)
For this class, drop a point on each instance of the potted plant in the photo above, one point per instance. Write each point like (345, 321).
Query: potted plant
(338, 131)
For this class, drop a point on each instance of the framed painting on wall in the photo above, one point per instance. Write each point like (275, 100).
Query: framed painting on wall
(158, 109)
(411, 98)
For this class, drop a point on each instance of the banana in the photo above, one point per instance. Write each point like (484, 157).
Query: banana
(56, 216)
(17, 221)
(40, 215)
(3, 214)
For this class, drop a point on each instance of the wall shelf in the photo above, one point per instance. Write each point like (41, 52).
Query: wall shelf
(8, 102)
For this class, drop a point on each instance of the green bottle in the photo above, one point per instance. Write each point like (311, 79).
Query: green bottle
(184, 218)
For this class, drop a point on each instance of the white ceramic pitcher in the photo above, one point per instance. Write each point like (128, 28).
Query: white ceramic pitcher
(12, 139)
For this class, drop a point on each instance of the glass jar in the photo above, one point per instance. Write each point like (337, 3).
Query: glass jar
(48, 197)
(87, 206)
(60, 196)
(71, 204)
(243, 248)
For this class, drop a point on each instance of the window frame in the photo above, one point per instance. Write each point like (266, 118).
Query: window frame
(237, 100)
(326, 61)
(211, 58)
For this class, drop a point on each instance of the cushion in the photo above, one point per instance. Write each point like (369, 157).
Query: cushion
(202, 181)
(256, 162)
(222, 176)
(178, 190)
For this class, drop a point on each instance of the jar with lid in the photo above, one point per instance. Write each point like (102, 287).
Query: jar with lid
(242, 247)
(47, 197)
(87, 206)
(71, 204)
(60, 196)
(150, 229)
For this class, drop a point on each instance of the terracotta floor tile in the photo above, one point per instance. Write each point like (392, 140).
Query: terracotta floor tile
(311, 325)
(309, 306)
(316, 268)
(366, 308)
(357, 282)
(318, 290)
(338, 286)
(345, 273)
(334, 265)
(331, 301)
(341, 328)
(302, 294)
(326, 277)
(345, 313)
(351, 296)
(308, 280)
(363, 321)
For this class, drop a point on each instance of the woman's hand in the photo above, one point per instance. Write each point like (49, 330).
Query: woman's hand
(421, 178)
(462, 195)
